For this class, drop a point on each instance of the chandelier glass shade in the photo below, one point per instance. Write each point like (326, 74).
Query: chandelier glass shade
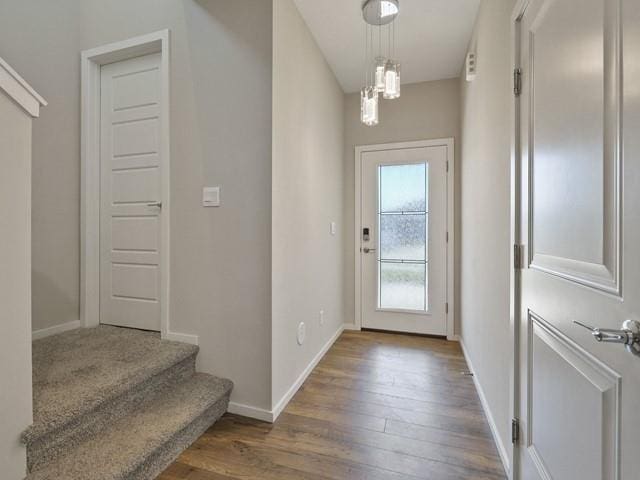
(380, 66)
(369, 106)
(391, 80)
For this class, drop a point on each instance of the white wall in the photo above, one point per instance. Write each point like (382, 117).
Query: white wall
(308, 139)
(221, 54)
(15, 286)
(424, 111)
(486, 211)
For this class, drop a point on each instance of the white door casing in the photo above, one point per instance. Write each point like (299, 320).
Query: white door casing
(131, 193)
(390, 252)
(579, 179)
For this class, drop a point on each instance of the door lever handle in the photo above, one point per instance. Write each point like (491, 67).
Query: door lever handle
(367, 250)
(629, 335)
(155, 204)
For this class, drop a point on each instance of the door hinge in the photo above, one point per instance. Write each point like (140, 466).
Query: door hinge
(447, 237)
(446, 307)
(447, 165)
(515, 431)
(517, 81)
(518, 256)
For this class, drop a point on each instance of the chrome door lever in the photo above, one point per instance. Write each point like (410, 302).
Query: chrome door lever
(367, 250)
(155, 204)
(629, 335)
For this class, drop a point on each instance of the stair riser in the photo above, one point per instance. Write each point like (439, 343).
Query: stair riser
(161, 458)
(47, 448)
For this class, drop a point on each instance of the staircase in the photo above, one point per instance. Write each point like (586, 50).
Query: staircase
(116, 404)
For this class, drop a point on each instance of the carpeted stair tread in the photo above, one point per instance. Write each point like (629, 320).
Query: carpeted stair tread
(76, 372)
(143, 443)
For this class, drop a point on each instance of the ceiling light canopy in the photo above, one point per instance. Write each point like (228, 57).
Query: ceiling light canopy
(380, 12)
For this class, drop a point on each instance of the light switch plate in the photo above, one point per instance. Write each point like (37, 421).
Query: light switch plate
(211, 197)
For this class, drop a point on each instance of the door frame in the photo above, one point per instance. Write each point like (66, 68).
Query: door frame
(91, 61)
(450, 287)
(515, 223)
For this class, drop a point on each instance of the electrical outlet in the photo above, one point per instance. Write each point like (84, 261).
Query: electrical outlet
(321, 317)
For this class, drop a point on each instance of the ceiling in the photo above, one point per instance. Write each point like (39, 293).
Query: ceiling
(432, 37)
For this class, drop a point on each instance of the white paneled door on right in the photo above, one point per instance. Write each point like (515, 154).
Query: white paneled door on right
(130, 194)
(579, 398)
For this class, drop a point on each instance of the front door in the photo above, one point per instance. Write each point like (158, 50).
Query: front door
(403, 239)
(130, 194)
(579, 398)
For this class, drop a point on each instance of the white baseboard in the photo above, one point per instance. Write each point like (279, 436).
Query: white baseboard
(351, 326)
(453, 338)
(286, 398)
(181, 337)
(271, 415)
(250, 411)
(47, 332)
(502, 449)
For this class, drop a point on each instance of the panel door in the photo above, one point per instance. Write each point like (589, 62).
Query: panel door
(580, 221)
(131, 208)
(403, 250)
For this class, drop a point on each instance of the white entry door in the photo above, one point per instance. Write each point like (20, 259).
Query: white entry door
(403, 239)
(130, 195)
(579, 398)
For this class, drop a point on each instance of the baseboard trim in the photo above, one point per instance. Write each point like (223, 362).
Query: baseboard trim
(286, 398)
(47, 332)
(250, 411)
(351, 326)
(181, 337)
(502, 450)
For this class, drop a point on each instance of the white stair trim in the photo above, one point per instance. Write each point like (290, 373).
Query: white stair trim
(19, 90)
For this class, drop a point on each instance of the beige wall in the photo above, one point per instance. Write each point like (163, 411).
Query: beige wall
(221, 78)
(308, 139)
(486, 210)
(220, 135)
(424, 111)
(40, 40)
(15, 286)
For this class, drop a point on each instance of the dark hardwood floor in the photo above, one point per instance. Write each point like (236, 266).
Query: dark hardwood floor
(378, 406)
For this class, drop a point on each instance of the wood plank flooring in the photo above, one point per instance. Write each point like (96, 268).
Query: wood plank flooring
(378, 406)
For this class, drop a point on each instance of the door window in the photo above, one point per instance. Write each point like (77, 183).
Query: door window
(403, 238)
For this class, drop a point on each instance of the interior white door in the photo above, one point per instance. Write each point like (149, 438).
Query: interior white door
(580, 224)
(130, 195)
(403, 239)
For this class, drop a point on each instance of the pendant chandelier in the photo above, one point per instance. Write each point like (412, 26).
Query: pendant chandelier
(381, 73)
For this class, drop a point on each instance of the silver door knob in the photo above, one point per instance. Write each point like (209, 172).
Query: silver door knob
(628, 335)
(368, 250)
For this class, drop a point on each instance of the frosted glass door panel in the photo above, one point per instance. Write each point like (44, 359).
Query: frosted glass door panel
(403, 285)
(403, 238)
(403, 188)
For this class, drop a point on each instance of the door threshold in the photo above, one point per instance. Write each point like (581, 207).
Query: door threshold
(411, 334)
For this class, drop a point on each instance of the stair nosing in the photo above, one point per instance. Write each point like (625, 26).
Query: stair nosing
(157, 443)
(39, 429)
